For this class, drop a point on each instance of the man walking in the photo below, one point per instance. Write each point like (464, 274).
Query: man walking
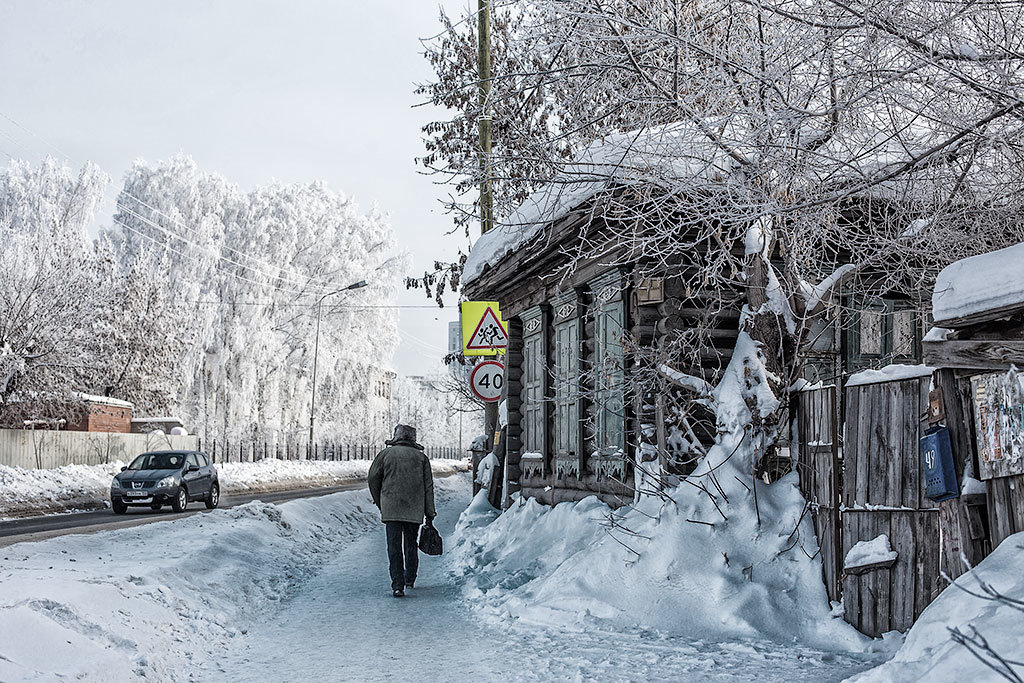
(402, 487)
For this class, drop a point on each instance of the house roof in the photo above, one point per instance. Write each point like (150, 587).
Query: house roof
(679, 152)
(684, 155)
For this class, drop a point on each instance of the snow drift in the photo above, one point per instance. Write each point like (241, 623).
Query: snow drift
(706, 559)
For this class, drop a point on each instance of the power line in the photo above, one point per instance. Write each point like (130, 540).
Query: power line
(227, 272)
(199, 246)
(326, 284)
(277, 303)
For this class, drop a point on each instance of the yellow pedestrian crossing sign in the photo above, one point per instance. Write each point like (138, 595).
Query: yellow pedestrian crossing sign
(483, 331)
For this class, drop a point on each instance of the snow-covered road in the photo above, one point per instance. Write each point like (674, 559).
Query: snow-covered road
(344, 625)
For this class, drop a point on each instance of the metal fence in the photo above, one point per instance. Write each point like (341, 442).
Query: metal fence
(48, 449)
(225, 450)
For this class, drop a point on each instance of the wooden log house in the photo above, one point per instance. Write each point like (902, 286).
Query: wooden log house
(581, 330)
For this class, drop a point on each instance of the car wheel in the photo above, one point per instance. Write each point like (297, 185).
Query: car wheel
(180, 500)
(118, 507)
(213, 499)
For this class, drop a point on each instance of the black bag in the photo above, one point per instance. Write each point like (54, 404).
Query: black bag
(430, 540)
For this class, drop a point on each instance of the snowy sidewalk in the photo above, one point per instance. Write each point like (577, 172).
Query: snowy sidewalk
(344, 625)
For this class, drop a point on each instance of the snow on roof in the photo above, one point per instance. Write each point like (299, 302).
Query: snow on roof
(980, 284)
(105, 400)
(676, 152)
(890, 373)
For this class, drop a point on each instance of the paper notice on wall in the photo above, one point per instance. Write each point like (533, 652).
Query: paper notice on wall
(999, 423)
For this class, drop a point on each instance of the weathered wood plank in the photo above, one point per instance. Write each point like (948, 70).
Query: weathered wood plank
(867, 530)
(898, 412)
(928, 558)
(910, 467)
(1000, 511)
(1017, 502)
(883, 578)
(863, 448)
(978, 318)
(851, 447)
(880, 444)
(851, 584)
(904, 573)
(976, 354)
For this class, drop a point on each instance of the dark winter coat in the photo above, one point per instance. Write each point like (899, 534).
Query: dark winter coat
(402, 484)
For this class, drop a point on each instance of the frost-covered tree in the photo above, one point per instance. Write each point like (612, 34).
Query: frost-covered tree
(251, 269)
(783, 150)
(50, 287)
(441, 415)
(74, 318)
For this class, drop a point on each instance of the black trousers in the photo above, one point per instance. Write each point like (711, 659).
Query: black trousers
(404, 561)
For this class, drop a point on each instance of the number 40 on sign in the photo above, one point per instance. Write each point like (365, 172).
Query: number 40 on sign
(487, 379)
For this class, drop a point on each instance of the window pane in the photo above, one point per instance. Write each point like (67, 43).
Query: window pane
(871, 332)
(903, 333)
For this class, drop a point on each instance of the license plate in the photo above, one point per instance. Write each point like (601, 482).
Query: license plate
(137, 494)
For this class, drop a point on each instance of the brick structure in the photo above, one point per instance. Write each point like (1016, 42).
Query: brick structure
(102, 414)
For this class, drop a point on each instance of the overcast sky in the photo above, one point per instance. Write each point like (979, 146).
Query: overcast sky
(254, 90)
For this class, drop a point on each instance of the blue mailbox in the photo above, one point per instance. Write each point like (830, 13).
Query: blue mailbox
(939, 468)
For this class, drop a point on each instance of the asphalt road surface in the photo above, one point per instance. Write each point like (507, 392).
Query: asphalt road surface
(39, 528)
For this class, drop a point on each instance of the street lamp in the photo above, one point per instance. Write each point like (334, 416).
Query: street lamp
(316, 353)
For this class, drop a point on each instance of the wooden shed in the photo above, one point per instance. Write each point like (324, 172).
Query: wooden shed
(978, 349)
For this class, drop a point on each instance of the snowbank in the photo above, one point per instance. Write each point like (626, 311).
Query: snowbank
(70, 487)
(980, 283)
(237, 477)
(970, 612)
(731, 580)
(85, 487)
(136, 603)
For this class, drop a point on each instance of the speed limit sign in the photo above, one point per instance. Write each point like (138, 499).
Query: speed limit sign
(487, 379)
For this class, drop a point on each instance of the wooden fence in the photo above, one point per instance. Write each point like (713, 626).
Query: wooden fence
(883, 493)
(871, 485)
(817, 460)
(225, 450)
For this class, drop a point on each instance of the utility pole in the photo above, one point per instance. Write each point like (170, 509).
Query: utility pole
(316, 354)
(484, 130)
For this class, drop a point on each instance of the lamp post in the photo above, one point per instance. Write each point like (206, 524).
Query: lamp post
(316, 353)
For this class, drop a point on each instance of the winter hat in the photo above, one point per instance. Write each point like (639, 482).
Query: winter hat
(403, 433)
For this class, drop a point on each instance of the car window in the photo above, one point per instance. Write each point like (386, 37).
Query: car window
(193, 461)
(158, 461)
(204, 460)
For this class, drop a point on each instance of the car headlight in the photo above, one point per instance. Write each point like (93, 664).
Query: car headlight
(166, 482)
(116, 483)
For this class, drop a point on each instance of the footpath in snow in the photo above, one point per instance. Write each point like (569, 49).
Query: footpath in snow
(344, 625)
(87, 487)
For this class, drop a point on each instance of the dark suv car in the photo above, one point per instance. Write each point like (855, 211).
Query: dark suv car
(166, 478)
